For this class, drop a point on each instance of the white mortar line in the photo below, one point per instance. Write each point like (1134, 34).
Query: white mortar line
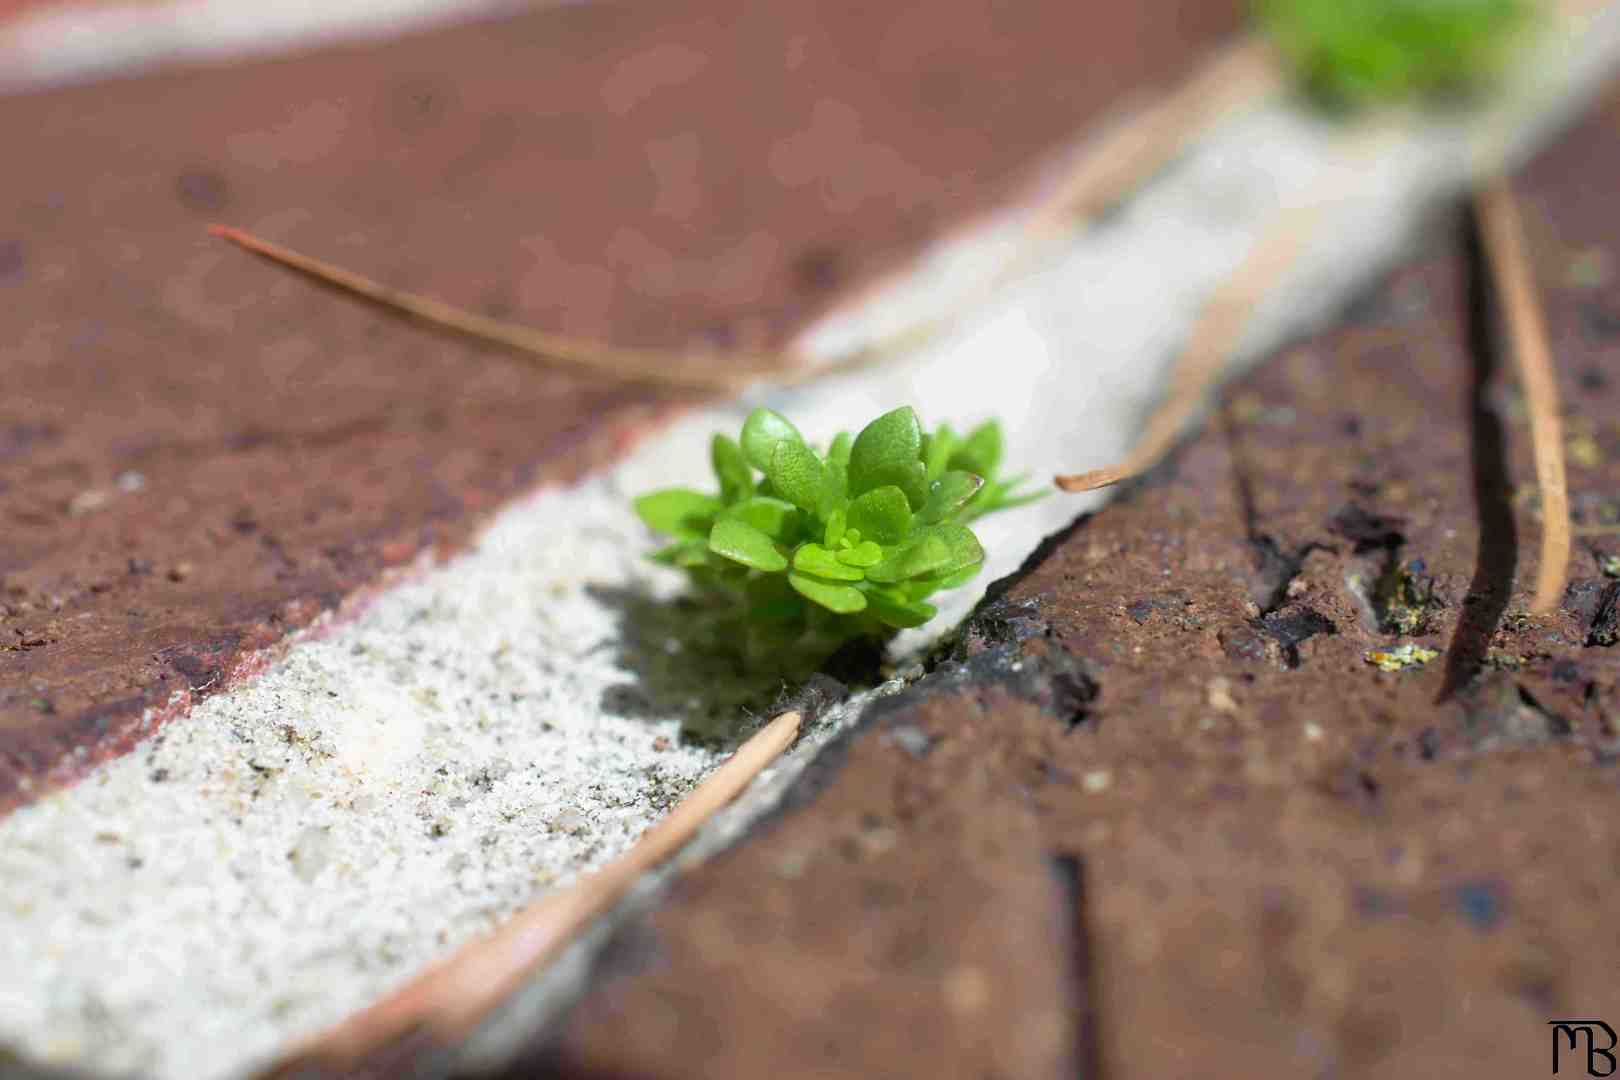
(408, 780)
(75, 41)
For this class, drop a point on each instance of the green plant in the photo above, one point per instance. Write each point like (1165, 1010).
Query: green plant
(828, 547)
(1354, 52)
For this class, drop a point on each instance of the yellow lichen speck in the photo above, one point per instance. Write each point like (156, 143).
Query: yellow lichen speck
(1401, 657)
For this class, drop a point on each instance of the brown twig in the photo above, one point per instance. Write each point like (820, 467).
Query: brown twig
(447, 1001)
(1502, 233)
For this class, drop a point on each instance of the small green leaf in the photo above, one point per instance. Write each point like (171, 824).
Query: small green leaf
(742, 543)
(761, 432)
(922, 587)
(834, 489)
(842, 599)
(927, 554)
(815, 559)
(937, 451)
(896, 612)
(939, 550)
(980, 452)
(963, 547)
(776, 518)
(796, 474)
(736, 478)
(682, 553)
(884, 450)
(960, 577)
(947, 495)
(862, 555)
(911, 478)
(997, 496)
(883, 514)
(678, 511)
(892, 569)
(837, 522)
(838, 452)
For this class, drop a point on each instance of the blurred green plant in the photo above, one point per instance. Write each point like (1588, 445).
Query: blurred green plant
(827, 547)
(1350, 53)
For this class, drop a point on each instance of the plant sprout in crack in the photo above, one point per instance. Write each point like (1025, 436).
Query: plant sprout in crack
(826, 548)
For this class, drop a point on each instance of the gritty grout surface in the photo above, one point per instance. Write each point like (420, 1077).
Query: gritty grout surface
(294, 847)
(291, 850)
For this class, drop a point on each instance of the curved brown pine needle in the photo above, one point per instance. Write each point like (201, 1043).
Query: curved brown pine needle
(1219, 328)
(1214, 337)
(448, 1000)
(1502, 233)
(630, 365)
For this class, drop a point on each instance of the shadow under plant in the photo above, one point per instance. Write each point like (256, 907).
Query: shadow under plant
(714, 693)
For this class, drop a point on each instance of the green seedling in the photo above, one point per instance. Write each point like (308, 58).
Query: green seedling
(801, 551)
(1350, 53)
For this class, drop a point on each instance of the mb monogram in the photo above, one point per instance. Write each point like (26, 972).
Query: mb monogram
(1567, 1035)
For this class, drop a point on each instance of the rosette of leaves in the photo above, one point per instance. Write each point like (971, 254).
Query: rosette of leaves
(801, 551)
